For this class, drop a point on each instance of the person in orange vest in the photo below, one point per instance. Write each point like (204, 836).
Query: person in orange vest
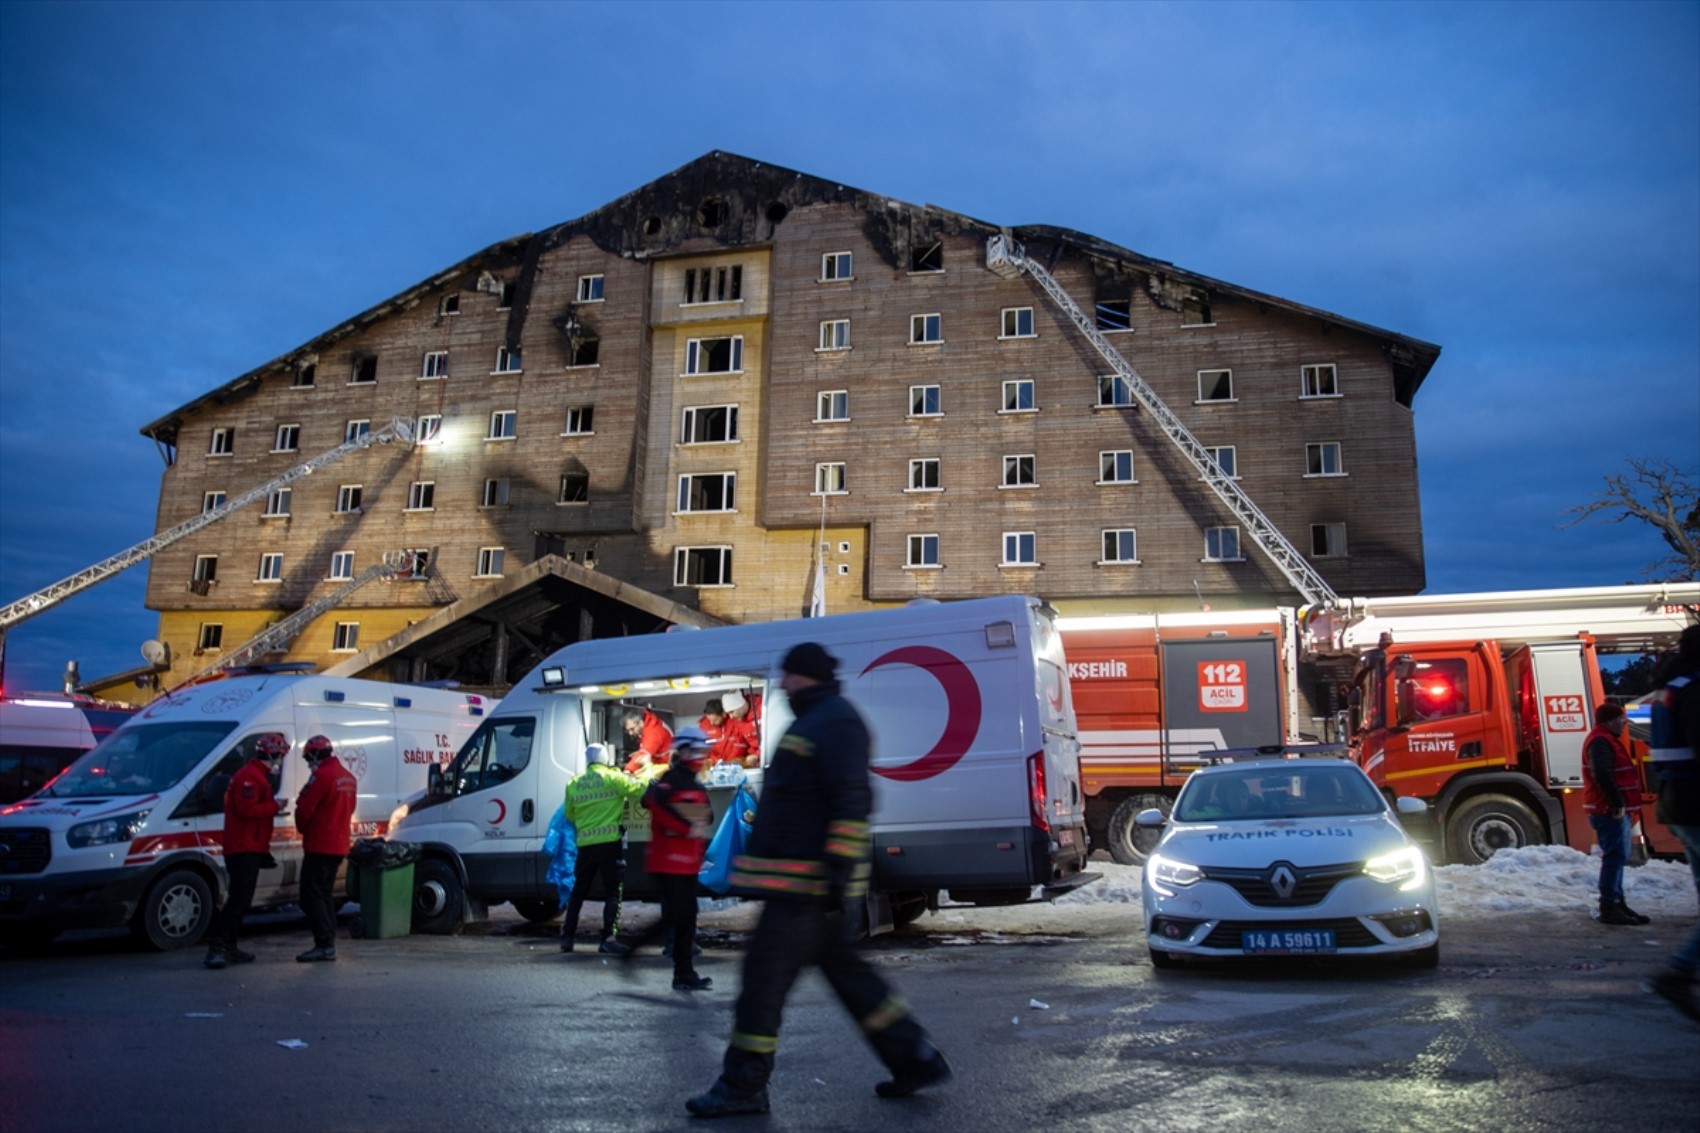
(322, 814)
(1611, 788)
(250, 806)
(654, 739)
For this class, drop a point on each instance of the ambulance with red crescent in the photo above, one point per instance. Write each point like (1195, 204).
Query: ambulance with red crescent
(977, 795)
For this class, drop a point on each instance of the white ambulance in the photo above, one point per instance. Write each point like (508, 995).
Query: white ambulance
(975, 761)
(132, 832)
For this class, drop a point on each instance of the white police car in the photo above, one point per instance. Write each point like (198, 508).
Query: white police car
(1287, 857)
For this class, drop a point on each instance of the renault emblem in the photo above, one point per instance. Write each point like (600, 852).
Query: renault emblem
(1283, 881)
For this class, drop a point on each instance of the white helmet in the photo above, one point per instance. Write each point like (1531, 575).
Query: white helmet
(596, 753)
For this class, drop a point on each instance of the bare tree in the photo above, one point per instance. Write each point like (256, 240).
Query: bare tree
(1659, 493)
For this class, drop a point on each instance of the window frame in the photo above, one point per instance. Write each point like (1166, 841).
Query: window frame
(363, 370)
(921, 465)
(278, 502)
(287, 438)
(1216, 451)
(1216, 534)
(1103, 313)
(1305, 383)
(692, 415)
(1229, 374)
(1018, 384)
(580, 422)
(271, 567)
(576, 477)
(428, 429)
(694, 353)
(342, 567)
(937, 396)
(1116, 454)
(1012, 316)
(355, 428)
(491, 557)
(1020, 471)
(496, 493)
(831, 340)
(838, 397)
(508, 362)
(345, 637)
(1023, 542)
(205, 569)
(421, 496)
(827, 471)
(683, 557)
(344, 494)
(434, 366)
(1321, 450)
(922, 542)
(1114, 382)
(1328, 531)
(921, 325)
(722, 283)
(223, 442)
(1105, 537)
(212, 501)
(591, 288)
(209, 637)
(837, 259)
(689, 490)
(509, 418)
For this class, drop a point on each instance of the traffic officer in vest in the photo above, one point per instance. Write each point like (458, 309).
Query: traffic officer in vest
(1674, 759)
(323, 812)
(808, 856)
(596, 806)
(1611, 788)
(250, 805)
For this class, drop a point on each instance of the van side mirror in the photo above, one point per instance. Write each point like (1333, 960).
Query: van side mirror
(1404, 691)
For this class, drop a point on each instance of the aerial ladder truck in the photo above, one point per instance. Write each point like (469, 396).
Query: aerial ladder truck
(398, 430)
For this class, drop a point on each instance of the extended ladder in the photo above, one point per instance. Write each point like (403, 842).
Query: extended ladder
(48, 597)
(1009, 259)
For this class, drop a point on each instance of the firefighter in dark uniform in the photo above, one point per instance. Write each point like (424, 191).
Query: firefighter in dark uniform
(807, 856)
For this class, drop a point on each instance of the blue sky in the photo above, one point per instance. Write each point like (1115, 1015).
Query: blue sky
(189, 190)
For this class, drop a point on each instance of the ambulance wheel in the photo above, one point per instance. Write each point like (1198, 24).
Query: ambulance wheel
(176, 912)
(1481, 826)
(538, 912)
(438, 900)
(1163, 960)
(1130, 844)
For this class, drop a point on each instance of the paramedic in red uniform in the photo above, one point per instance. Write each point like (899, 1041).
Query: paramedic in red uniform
(679, 829)
(739, 742)
(808, 857)
(322, 814)
(653, 737)
(1611, 788)
(250, 805)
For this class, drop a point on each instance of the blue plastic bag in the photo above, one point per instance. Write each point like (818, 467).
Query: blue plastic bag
(561, 844)
(727, 843)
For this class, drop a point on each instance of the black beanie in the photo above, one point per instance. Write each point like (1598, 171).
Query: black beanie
(810, 660)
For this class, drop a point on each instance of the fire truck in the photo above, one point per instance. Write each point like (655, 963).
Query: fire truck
(1476, 703)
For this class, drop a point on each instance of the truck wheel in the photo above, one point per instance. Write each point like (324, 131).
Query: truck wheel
(438, 900)
(1480, 827)
(176, 912)
(538, 912)
(1129, 844)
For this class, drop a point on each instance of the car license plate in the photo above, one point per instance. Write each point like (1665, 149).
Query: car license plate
(1288, 941)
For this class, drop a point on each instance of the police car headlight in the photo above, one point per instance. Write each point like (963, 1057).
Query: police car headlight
(1167, 874)
(1404, 867)
(104, 831)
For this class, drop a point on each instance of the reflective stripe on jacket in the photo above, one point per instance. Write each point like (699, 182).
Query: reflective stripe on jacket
(596, 803)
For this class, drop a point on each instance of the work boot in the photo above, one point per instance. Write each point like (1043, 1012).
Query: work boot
(216, 958)
(1617, 914)
(1677, 989)
(694, 983)
(239, 956)
(316, 954)
(935, 1071)
(614, 948)
(1640, 918)
(723, 1101)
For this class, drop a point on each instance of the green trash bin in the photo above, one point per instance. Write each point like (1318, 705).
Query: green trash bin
(380, 878)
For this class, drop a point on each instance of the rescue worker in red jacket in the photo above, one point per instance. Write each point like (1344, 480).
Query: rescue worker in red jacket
(654, 739)
(250, 806)
(322, 814)
(1611, 788)
(739, 742)
(679, 815)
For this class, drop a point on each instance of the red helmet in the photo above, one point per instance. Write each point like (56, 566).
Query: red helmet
(316, 749)
(272, 745)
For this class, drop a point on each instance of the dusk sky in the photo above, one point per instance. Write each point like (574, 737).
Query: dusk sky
(188, 191)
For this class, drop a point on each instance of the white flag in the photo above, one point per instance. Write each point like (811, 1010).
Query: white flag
(817, 598)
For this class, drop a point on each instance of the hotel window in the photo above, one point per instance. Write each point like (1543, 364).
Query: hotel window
(923, 551)
(1019, 549)
(355, 429)
(428, 430)
(342, 566)
(1018, 396)
(1221, 544)
(835, 265)
(346, 637)
(211, 637)
(714, 285)
(1226, 460)
(211, 501)
(830, 479)
(925, 401)
(925, 330)
(1115, 314)
(490, 562)
(709, 424)
(206, 569)
(1121, 545)
(288, 439)
(575, 488)
(715, 355)
(581, 421)
(505, 300)
(277, 503)
(1018, 471)
(1115, 466)
(435, 365)
(714, 491)
(1323, 459)
(449, 305)
(507, 361)
(1195, 311)
(835, 334)
(421, 495)
(418, 563)
(1017, 323)
(702, 566)
(583, 350)
(305, 376)
(1319, 381)
(927, 257)
(496, 492)
(504, 424)
(223, 442)
(1328, 540)
(832, 405)
(924, 475)
(348, 499)
(364, 371)
(590, 289)
(271, 567)
(1114, 392)
(1216, 385)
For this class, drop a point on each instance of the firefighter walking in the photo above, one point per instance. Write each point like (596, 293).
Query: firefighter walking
(808, 857)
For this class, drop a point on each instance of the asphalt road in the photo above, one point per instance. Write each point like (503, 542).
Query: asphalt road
(1532, 1023)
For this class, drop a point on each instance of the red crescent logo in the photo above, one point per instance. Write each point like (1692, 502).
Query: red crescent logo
(501, 811)
(962, 724)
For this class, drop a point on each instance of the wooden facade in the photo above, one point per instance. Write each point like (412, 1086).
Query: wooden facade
(678, 333)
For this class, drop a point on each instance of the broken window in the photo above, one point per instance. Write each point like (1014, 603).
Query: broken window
(449, 305)
(723, 284)
(223, 442)
(835, 265)
(575, 488)
(212, 637)
(580, 420)
(711, 213)
(206, 568)
(1195, 310)
(348, 499)
(1328, 540)
(1018, 396)
(342, 566)
(417, 561)
(709, 424)
(421, 495)
(714, 355)
(1216, 385)
(584, 350)
(346, 637)
(925, 329)
(490, 562)
(927, 257)
(1319, 381)
(832, 405)
(1115, 314)
(830, 479)
(506, 298)
(1018, 471)
(365, 370)
(590, 289)
(924, 475)
(304, 376)
(496, 493)
(715, 491)
(702, 566)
